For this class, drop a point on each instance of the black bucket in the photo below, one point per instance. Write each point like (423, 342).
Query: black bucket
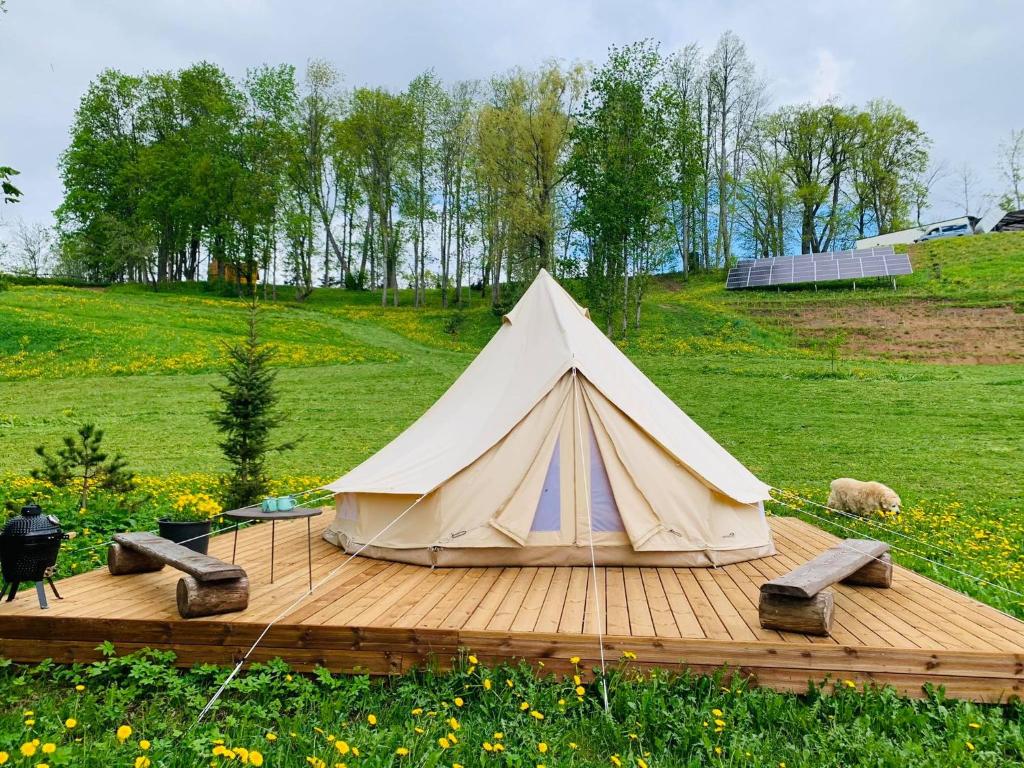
(194, 534)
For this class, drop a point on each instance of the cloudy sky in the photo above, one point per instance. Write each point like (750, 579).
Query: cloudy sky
(953, 65)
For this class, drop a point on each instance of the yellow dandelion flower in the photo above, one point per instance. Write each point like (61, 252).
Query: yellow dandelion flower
(458, 701)
(453, 724)
(142, 762)
(641, 763)
(974, 725)
(542, 747)
(123, 732)
(580, 690)
(255, 758)
(537, 715)
(70, 723)
(144, 745)
(488, 747)
(473, 659)
(371, 719)
(970, 747)
(498, 736)
(28, 749)
(418, 711)
(402, 751)
(271, 737)
(4, 757)
(79, 687)
(29, 723)
(342, 747)
(717, 712)
(524, 706)
(487, 683)
(615, 761)
(574, 660)
(443, 743)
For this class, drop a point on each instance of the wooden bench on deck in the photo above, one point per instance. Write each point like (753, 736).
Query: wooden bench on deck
(209, 586)
(796, 602)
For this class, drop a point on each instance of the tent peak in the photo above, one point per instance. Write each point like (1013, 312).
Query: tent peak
(544, 288)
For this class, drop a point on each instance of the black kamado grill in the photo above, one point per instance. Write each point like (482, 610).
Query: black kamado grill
(29, 544)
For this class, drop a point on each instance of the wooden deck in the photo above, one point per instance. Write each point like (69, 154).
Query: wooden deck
(384, 617)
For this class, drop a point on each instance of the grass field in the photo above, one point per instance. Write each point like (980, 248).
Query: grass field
(949, 438)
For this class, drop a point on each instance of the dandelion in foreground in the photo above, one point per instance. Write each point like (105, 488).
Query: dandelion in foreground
(123, 733)
(542, 747)
(371, 719)
(70, 723)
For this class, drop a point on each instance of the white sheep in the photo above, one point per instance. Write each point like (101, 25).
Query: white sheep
(862, 498)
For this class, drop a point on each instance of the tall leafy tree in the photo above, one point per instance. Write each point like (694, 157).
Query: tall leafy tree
(378, 125)
(892, 152)
(734, 101)
(621, 165)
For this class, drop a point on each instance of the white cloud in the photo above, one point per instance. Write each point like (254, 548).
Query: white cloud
(828, 77)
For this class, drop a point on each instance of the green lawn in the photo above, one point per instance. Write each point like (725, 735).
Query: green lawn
(949, 438)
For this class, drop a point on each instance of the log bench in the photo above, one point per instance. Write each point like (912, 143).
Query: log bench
(797, 602)
(209, 586)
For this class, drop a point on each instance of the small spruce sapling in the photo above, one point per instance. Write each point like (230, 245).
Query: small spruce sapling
(247, 416)
(82, 458)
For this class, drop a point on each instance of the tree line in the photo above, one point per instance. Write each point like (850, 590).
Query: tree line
(647, 162)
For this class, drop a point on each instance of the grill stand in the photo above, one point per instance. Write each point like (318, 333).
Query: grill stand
(40, 591)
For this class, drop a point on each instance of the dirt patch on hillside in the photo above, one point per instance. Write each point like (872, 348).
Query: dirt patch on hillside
(919, 331)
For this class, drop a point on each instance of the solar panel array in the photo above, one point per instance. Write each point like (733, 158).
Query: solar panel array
(819, 268)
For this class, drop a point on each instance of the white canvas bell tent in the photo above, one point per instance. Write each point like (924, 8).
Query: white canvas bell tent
(552, 441)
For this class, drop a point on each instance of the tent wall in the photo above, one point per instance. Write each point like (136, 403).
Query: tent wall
(645, 507)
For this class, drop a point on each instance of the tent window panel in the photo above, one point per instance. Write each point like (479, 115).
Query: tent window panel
(604, 513)
(548, 516)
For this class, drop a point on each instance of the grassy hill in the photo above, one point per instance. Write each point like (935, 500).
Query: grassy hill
(796, 405)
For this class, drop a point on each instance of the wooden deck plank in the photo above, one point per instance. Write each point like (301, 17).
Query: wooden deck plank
(710, 622)
(526, 619)
(661, 613)
(506, 613)
(493, 601)
(682, 611)
(640, 622)
(595, 619)
(575, 607)
(551, 611)
(616, 613)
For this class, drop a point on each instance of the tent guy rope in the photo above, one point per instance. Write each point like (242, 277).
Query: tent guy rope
(910, 552)
(593, 555)
(295, 604)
